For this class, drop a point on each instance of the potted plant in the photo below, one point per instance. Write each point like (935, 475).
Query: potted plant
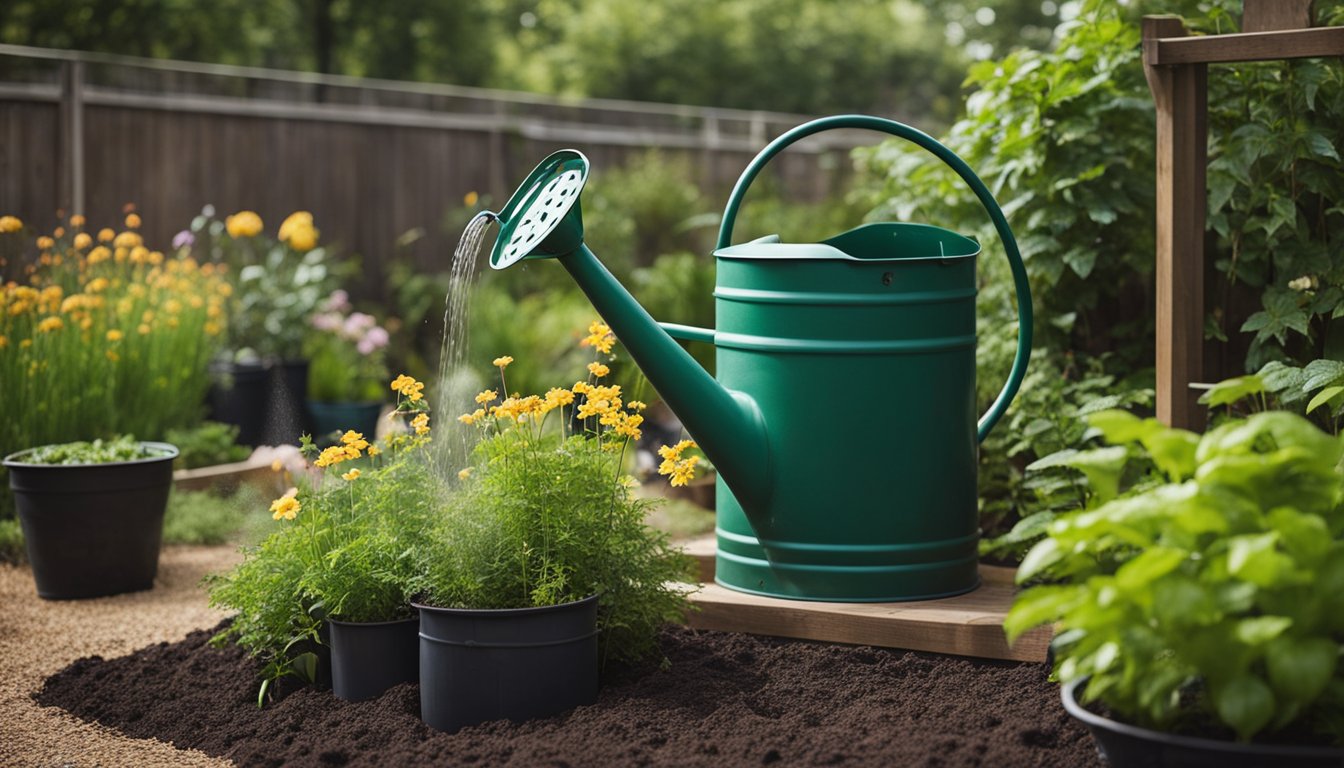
(540, 565)
(1199, 621)
(337, 574)
(277, 283)
(347, 368)
(92, 514)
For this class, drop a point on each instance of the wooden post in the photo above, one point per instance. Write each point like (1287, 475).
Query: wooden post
(71, 193)
(1271, 15)
(1181, 95)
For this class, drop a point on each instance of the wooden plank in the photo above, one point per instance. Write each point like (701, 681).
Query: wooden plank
(968, 625)
(1172, 49)
(1269, 15)
(1181, 96)
(256, 472)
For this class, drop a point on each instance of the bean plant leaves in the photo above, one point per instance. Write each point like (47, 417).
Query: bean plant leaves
(1246, 703)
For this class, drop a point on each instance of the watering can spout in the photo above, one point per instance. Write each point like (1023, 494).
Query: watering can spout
(543, 220)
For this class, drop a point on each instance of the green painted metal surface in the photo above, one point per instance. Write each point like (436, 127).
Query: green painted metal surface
(843, 422)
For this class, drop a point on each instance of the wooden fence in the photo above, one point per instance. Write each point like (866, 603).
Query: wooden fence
(371, 159)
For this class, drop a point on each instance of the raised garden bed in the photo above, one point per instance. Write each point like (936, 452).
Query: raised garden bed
(725, 699)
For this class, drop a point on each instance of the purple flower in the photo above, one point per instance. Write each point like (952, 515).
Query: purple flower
(183, 239)
(338, 301)
(376, 338)
(327, 322)
(357, 323)
(365, 346)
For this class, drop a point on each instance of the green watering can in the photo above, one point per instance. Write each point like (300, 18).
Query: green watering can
(842, 423)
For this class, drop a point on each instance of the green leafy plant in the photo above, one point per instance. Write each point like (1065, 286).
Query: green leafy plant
(547, 516)
(1214, 597)
(346, 353)
(206, 518)
(344, 548)
(123, 448)
(207, 444)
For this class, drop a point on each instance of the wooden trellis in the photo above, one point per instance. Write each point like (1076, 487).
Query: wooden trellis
(1176, 65)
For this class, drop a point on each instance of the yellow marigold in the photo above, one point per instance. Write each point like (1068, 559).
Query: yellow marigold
(286, 506)
(45, 242)
(556, 397)
(599, 337)
(114, 335)
(155, 257)
(635, 405)
(303, 239)
(472, 418)
(76, 220)
(50, 324)
(212, 328)
(351, 475)
(293, 221)
(128, 240)
(97, 285)
(139, 254)
(421, 423)
(487, 396)
(502, 362)
(243, 224)
(106, 235)
(333, 455)
(374, 450)
(599, 370)
(463, 474)
(10, 224)
(581, 387)
(224, 289)
(680, 470)
(409, 387)
(83, 240)
(4, 342)
(355, 439)
(470, 199)
(101, 253)
(132, 221)
(144, 329)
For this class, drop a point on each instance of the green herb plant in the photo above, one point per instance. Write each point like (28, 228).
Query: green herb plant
(123, 448)
(1215, 597)
(343, 550)
(207, 444)
(547, 515)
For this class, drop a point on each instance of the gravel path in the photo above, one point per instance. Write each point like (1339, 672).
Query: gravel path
(40, 637)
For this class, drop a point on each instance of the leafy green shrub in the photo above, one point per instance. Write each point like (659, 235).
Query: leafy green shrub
(207, 444)
(11, 541)
(204, 518)
(123, 448)
(1217, 595)
(545, 518)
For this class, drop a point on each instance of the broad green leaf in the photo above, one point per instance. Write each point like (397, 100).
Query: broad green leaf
(1173, 451)
(1253, 558)
(1152, 564)
(1305, 536)
(1102, 467)
(1039, 558)
(1321, 373)
(1120, 427)
(1232, 390)
(1324, 396)
(1300, 668)
(1180, 600)
(1056, 459)
(1041, 605)
(305, 665)
(1259, 630)
(1246, 703)
(1321, 146)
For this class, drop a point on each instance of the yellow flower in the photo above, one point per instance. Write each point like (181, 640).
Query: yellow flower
(50, 324)
(599, 337)
(470, 199)
(101, 253)
(4, 342)
(286, 506)
(556, 397)
(45, 242)
(502, 362)
(351, 475)
(114, 335)
(581, 387)
(83, 240)
(243, 224)
(127, 240)
(421, 423)
(132, 221)
(297, 230)
(599, 370)
(303, 239)
(635, 405)
(10, 224)
(277, 465)
(464, 473)
(106, 235)
(374, 450)
(356, 439)
(333, 455)
(408, 387)
(487, 396)
(682, 471)
(472, 418)
(143, 329)
(76, 220)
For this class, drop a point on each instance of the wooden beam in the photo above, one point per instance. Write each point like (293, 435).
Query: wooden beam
(1181, 95)
(1269, 15)
(1173, 49)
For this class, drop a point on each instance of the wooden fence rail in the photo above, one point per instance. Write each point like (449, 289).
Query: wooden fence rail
(371, 159)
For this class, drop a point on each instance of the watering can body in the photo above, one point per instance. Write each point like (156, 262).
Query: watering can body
(842, 422)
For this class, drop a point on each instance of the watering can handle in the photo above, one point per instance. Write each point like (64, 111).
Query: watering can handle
(1024, 313)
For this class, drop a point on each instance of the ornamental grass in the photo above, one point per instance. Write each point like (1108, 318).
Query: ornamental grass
(104, 336)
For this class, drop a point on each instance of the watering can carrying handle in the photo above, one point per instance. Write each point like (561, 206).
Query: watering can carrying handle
(1024, 313)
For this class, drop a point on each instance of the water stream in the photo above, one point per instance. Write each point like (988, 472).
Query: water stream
(457, 383)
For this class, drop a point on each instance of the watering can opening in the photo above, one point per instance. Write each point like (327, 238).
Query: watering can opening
(543, 217)
(882, 241)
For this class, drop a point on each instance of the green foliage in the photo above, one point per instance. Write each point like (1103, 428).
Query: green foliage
(347, 357)
(122, 448)
(1216, 594)
(11, 541)
(205, 518)
(1315, 390)
(207, 444)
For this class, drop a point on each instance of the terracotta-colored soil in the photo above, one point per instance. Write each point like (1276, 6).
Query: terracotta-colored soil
(725, 699)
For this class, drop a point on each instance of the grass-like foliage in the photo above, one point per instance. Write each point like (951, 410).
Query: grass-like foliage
(206, 518)
(1217, 596)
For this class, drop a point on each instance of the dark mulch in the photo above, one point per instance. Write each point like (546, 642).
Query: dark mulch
(725, 699)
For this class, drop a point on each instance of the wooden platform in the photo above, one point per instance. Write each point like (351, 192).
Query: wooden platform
(967, 625)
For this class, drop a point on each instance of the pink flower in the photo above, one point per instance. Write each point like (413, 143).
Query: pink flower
(377, 336)
(357, 323)
(327, 322)
(338, 301)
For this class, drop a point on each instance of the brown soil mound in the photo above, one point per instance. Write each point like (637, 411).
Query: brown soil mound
(725, 699)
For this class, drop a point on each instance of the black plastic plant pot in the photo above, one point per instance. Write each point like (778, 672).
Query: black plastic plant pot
(480, 665)
(92, 529)
(368, 658)
(328, 418)
(1129, 746)
(238, 396)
